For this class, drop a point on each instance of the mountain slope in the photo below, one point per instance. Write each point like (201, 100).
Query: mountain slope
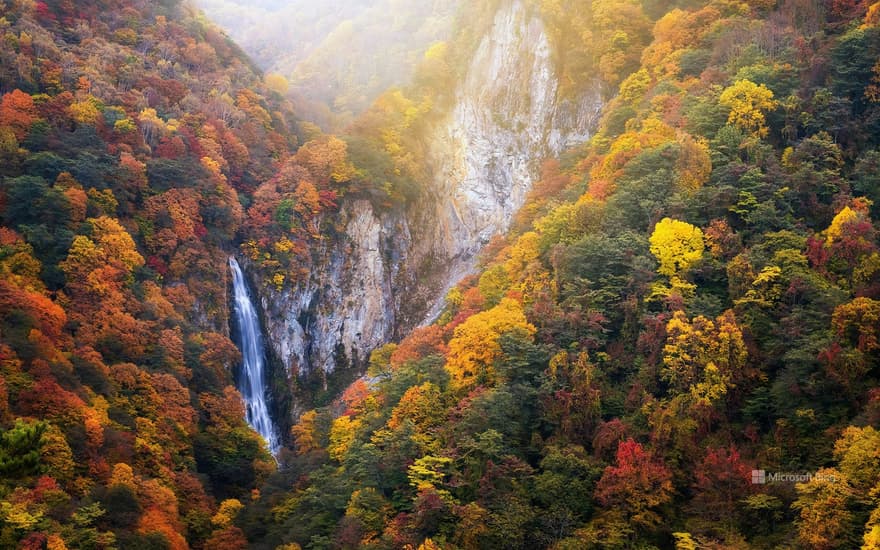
(140, 150)
(131, 135)
(691, 297)
(391, 263)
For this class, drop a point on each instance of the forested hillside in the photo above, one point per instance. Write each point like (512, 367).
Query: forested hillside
(693, 295)
(132, 135)
(140, 148)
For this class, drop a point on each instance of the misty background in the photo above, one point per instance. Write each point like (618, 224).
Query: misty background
(337, 55)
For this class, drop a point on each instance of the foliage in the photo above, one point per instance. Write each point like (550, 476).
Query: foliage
(611, 376)
(677, 245)
(748, 103)
(123, 165)
(475, 347)
(614, 373)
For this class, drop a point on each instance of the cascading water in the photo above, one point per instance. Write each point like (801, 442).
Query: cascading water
(252, 380)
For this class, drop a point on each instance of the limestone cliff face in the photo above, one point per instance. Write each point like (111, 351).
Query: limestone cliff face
(506, 120)
(388, 270)
(349, 303)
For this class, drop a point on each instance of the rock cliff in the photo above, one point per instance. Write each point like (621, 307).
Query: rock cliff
(387, 271)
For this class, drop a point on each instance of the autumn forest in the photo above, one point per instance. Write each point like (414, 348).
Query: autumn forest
(672, 342)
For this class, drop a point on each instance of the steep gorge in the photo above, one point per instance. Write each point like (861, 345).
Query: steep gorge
(388, 270)
(688, 297)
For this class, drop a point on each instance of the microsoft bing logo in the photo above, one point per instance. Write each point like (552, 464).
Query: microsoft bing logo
(761, 477)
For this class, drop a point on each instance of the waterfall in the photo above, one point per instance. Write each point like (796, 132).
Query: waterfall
(252, 379)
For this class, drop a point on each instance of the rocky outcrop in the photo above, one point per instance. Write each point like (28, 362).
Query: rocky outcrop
(349, 303)
(507, 119)
(387, 270)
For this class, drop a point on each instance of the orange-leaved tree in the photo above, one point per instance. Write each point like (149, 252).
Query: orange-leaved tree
(474, 346)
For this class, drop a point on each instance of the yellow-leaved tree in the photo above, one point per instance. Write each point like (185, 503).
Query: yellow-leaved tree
(277, 83)
(702, 353)
(474, 345)
(835, 231)
(748, 102)
(326, 159)
(342, 435)
(227, 512)
(677, 245)
(827, 502)
(305, 433)
(694, 165)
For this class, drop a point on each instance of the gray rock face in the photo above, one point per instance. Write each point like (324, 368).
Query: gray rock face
(389, 271)
(349, 302)
(507, 119)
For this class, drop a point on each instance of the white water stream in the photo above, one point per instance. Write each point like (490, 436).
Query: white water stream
(252, 379)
